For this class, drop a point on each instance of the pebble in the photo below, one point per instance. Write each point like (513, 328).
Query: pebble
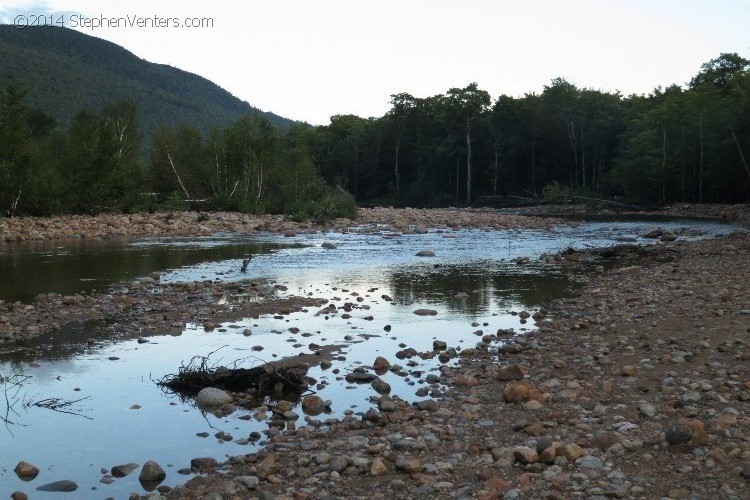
(589, 462)
(647, 409)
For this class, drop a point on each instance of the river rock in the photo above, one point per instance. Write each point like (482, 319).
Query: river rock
(26, 471)
(425, 253)
(211, 396)
(64, 486)
(381, 386)
(387, 405)
(381, 364)
(628, 370)
(698, 432)
(678, 434)
(151, 472)
(647, 409)
(267, 467)
(511, 372)
(570, 451)
(249, 482)
(203, 464)
(525, 455)
(409, 465)
(19, 495)
(425, 312)
(589, 462)
(466, 381)
(378, 467)
(360, 377)
(283, 405)
(328, 245)
(314, 402)
(548, 455)
(522, 391)
(439, 345)
(124, 469)
(338, 464)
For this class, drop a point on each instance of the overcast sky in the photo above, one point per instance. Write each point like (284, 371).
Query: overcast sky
(310, 59)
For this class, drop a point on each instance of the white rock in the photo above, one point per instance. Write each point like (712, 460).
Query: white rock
(211, 396)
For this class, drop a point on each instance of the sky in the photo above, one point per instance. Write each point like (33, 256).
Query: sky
(311, 59)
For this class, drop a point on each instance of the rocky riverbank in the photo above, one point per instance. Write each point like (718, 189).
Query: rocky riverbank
(639, 388)
(181, 224)
(144, 307)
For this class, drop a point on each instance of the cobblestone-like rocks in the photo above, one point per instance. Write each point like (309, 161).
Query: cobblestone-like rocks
(611, 398)
(636, 387)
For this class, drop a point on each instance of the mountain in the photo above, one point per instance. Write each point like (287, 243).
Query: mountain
(64, 71)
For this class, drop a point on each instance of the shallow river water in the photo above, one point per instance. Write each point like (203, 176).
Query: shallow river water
(123, 416)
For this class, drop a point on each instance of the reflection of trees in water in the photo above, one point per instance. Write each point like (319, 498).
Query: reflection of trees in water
(43, 267)
(484, 284)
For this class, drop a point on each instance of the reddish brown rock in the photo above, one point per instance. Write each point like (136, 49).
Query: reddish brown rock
(522, 391)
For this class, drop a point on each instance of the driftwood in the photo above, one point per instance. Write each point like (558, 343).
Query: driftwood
(62, 406)
(259, 381)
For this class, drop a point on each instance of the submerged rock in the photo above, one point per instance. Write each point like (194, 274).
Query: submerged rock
(425, 253)
(425, 312)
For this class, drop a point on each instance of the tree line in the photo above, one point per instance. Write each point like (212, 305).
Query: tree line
(566, 143)
(675, 145)
(95, 165)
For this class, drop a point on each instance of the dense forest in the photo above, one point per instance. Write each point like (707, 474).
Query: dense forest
(565, 144)
(677, 144)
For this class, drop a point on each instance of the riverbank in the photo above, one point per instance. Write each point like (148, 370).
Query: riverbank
(183, 224)
(639, 388)
(403, 220)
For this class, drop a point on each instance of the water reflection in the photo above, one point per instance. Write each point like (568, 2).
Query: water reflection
(30, 268)
(478, 288)
(134, 421)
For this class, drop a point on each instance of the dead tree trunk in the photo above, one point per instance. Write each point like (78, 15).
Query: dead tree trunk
(174, 169)
(742, 155)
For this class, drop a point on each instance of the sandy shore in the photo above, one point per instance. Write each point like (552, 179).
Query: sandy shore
(639, 387)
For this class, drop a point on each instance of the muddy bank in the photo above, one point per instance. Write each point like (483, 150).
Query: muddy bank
(638, 388)
(203, 224)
